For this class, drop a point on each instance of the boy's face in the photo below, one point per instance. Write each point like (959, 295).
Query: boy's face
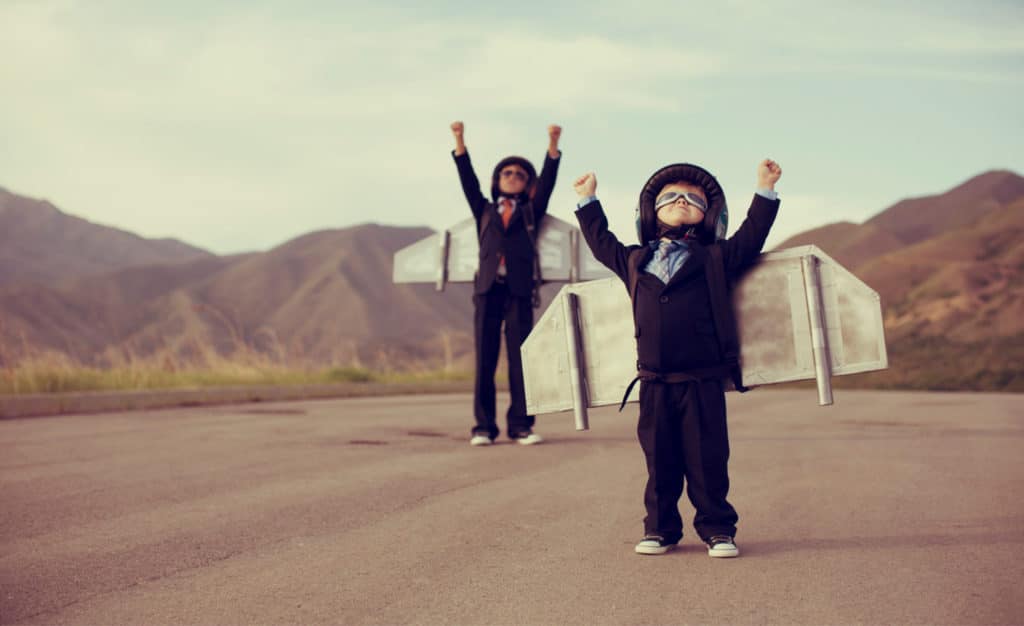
(512, 180)
(681, 211)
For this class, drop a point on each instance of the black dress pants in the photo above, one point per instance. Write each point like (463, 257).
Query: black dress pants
(490, 311)
(682, 430)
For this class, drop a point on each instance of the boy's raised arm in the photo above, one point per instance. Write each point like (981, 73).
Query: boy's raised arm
(743, 247)
(603, 243)
(548, 173)
(470, 183)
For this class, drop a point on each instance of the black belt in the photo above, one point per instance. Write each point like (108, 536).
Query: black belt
(691, 376)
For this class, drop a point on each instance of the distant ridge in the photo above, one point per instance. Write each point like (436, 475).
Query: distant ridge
(914, 220)
(41, 244)
(949, 268)
(323, 298)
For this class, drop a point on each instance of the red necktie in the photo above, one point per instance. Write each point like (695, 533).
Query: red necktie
(506, 215)
(506, 211)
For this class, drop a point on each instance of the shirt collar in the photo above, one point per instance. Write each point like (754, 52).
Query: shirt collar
(656, 243)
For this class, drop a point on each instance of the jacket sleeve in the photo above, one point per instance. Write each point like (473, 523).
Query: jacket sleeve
(470, 184)
(545, 185)
(740, 250)
(606, 247)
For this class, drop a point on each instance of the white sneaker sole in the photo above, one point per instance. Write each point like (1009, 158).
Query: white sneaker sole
(723, 553)
(530, 440)
(480, 441)
(653, 549)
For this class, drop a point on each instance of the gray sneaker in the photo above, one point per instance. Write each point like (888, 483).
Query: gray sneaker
(722, 547)
(529, 439)
(654, 544)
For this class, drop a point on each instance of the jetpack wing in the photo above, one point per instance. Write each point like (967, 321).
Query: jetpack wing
(451, 255)
(800, 316)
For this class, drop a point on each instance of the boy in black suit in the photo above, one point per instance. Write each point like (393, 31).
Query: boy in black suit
(507, 277)
(682, 429)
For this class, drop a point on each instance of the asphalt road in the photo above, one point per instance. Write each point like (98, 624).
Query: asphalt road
(887, 508)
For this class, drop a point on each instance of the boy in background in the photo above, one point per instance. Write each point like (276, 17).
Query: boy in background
(505, 283)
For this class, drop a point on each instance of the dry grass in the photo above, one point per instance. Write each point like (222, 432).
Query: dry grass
(56, 373)
(193, 362)
(48, 378)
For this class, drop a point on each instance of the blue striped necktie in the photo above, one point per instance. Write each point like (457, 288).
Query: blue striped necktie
(661, 264)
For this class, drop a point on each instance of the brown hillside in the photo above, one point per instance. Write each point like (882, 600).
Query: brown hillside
(326, 297)
(83, 317)
(40, 244)
(965, 285)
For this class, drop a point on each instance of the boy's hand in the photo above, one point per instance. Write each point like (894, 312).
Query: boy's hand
(586, 185)
(554, 132)
(460, 146)
(768, 173)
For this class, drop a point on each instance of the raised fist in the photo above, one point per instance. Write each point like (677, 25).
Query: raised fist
(554, 132)
(768, 173)
(457, 128)
(585, 185)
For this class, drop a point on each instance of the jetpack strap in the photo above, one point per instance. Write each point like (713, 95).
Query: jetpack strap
(722, 313)
(531, 231)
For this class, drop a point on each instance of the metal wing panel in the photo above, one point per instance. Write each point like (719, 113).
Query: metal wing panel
(608, 338)
(547, 380)
(419, 262)
(772, 322)
(557, 242)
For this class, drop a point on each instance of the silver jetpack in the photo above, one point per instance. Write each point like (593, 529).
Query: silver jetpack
(800, 315)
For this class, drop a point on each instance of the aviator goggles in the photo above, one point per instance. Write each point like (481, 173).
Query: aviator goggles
(509, 173)
(689, 198)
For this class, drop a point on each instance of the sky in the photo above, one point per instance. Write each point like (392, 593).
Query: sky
(239, 125)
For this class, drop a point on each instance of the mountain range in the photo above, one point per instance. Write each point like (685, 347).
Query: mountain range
(948, 267)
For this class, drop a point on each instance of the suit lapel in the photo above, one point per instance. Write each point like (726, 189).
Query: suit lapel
(495, 216)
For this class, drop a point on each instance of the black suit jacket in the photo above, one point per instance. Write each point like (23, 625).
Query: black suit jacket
(675, 331)
(514, 242)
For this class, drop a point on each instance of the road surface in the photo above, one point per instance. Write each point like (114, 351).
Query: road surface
(886, 508)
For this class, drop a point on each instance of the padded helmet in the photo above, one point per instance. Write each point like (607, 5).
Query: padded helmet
(716, 219)
(531, 176)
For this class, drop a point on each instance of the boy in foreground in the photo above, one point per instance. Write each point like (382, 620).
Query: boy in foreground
(682, 427)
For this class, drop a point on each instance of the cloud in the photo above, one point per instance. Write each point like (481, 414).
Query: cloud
(164, 125)
(187, 119)
(515, 71)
